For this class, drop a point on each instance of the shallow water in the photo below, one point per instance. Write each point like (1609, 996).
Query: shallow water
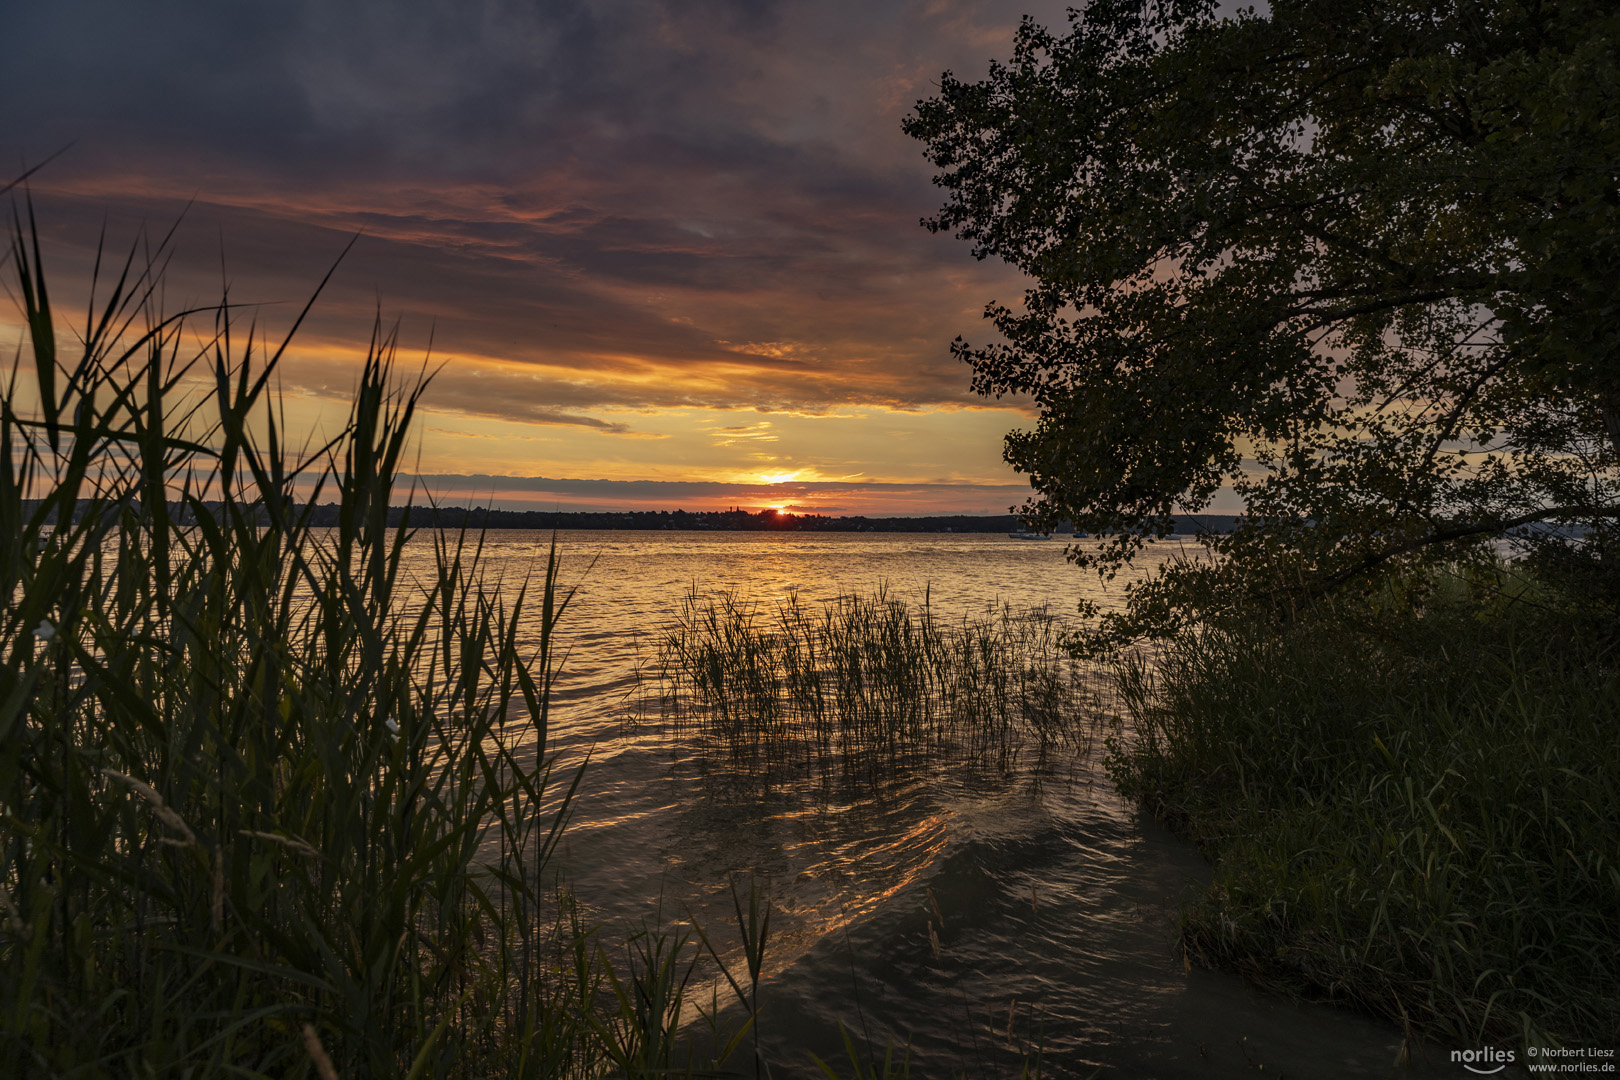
(1053, 902)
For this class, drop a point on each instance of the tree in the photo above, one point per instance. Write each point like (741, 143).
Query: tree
(1360, 262)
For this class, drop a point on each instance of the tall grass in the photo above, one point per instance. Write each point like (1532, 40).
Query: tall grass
(273, 806)
(1413, 804)
(266, 809)
(864, 680)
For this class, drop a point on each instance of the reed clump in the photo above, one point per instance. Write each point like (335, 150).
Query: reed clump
(1412, 802)
(867, 679)
(268, 807)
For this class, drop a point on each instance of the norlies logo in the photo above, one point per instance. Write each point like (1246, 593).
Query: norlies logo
(1489, 1056)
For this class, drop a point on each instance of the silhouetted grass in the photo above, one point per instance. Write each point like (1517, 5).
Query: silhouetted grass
(1413, 804)
(867, 679)
(271, 806)
(266, 809)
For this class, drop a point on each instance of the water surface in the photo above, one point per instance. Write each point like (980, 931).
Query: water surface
(1052, 902)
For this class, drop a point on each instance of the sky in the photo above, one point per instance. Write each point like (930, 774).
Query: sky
(660, 255)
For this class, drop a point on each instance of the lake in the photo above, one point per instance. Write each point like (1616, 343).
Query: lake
(971, 912)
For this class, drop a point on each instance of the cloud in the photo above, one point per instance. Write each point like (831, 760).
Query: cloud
(875, 498)
(744, 434)
(592, 206)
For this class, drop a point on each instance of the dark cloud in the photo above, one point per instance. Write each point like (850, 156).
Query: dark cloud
(693, 202)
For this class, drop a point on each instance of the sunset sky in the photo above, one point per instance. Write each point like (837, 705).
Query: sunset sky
(668, 253)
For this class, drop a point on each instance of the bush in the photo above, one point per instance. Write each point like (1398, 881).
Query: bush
(1412, 804)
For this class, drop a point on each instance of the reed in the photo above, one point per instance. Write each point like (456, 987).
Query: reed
(1411, 801)
(864, 680)
(271, 804)
(267, 807)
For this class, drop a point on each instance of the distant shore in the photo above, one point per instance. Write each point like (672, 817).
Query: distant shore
(734, 520)
(738, 520)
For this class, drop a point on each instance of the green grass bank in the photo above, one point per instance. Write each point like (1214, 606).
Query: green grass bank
(1412, 804)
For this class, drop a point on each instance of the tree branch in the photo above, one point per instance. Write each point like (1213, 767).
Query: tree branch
(1462, 532)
